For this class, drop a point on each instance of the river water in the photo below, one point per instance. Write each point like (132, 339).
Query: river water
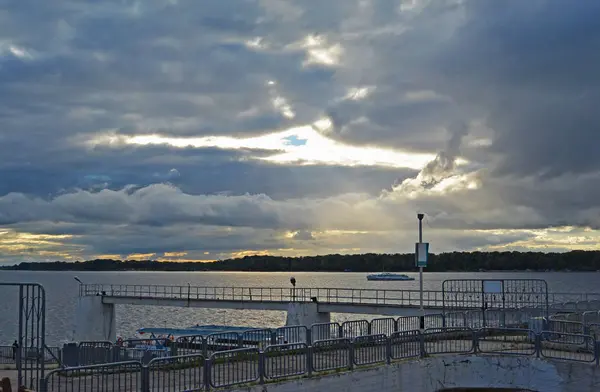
(62, 290)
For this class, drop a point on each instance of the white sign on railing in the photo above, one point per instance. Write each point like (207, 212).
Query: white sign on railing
(492, 287)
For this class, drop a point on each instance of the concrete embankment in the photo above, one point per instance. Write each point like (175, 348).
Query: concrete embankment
(439, 373)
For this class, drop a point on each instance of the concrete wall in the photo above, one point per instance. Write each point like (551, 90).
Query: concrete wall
(303, 313)
(95, 320)
(434, 374)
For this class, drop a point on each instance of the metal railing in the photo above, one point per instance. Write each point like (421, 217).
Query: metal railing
(91, 353)
(8, 354)
(431, 298)
(385, 297)
(227, 369)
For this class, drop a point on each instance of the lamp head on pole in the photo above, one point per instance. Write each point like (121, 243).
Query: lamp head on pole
(420, 216)
(293, 281)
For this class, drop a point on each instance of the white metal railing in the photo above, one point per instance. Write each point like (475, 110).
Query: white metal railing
(431, 298)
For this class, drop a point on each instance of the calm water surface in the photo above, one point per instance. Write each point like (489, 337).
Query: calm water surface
(62, 291)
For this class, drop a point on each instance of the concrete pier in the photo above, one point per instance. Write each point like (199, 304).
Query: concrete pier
(506, 373)
(305, 313)
(95, 320)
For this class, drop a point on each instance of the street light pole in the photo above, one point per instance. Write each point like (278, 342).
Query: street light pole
(420, 217)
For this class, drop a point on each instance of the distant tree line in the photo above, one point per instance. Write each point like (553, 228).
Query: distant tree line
(454, 261)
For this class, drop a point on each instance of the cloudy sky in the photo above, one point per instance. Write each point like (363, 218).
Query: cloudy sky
(199, 130)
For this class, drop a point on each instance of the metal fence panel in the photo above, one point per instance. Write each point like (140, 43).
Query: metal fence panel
(95, 353)
(8, 355)
(292, 334)
(584, 351)
(190, 345)
(590, 317)
(222, 341)
(28, 300)
(257, 338)
(405, 344)
(352, 329)
(325, 331)
(112, 377)
(408, 323)
(568, 332)
(520, 319)
(593, 329)
(495, 294)
(177, 374)
(506, 341)
(370, 349)
(494, 318)
(474, 319)
(331, 354)
(449, 340)
(456, 319)
(434, 321)
(285, 360)
(386, 326)
(234, 367)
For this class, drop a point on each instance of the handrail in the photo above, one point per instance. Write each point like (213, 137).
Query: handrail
(288, 294)
(227, 368)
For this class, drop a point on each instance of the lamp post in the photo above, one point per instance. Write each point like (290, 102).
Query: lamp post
(422, 320)
(293, 282)
(80, 284)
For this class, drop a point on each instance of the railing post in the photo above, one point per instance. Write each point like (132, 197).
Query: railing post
(206, 371)
(261, 367)
(388, 350)
(43, 385)
(309, 336)
(422, 344)
(205, 347)
(476, 340)
(145, 378)
(116, 353)
(350, 354)
(309, 360)
(538, 344)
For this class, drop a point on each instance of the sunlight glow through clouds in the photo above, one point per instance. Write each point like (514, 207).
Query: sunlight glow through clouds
(564, 237)
(317, 149)
(48, 246)
(319, 51)
(16, 51)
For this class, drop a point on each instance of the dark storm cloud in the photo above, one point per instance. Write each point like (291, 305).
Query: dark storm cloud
(533, 67)
(385, 75)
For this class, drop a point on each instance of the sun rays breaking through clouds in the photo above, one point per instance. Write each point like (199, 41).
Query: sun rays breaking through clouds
(206, 130)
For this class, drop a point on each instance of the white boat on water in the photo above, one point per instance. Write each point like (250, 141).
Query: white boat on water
(388, 276)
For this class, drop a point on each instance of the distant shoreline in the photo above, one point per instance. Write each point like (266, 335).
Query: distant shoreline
(485, 262)
(304, 271)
